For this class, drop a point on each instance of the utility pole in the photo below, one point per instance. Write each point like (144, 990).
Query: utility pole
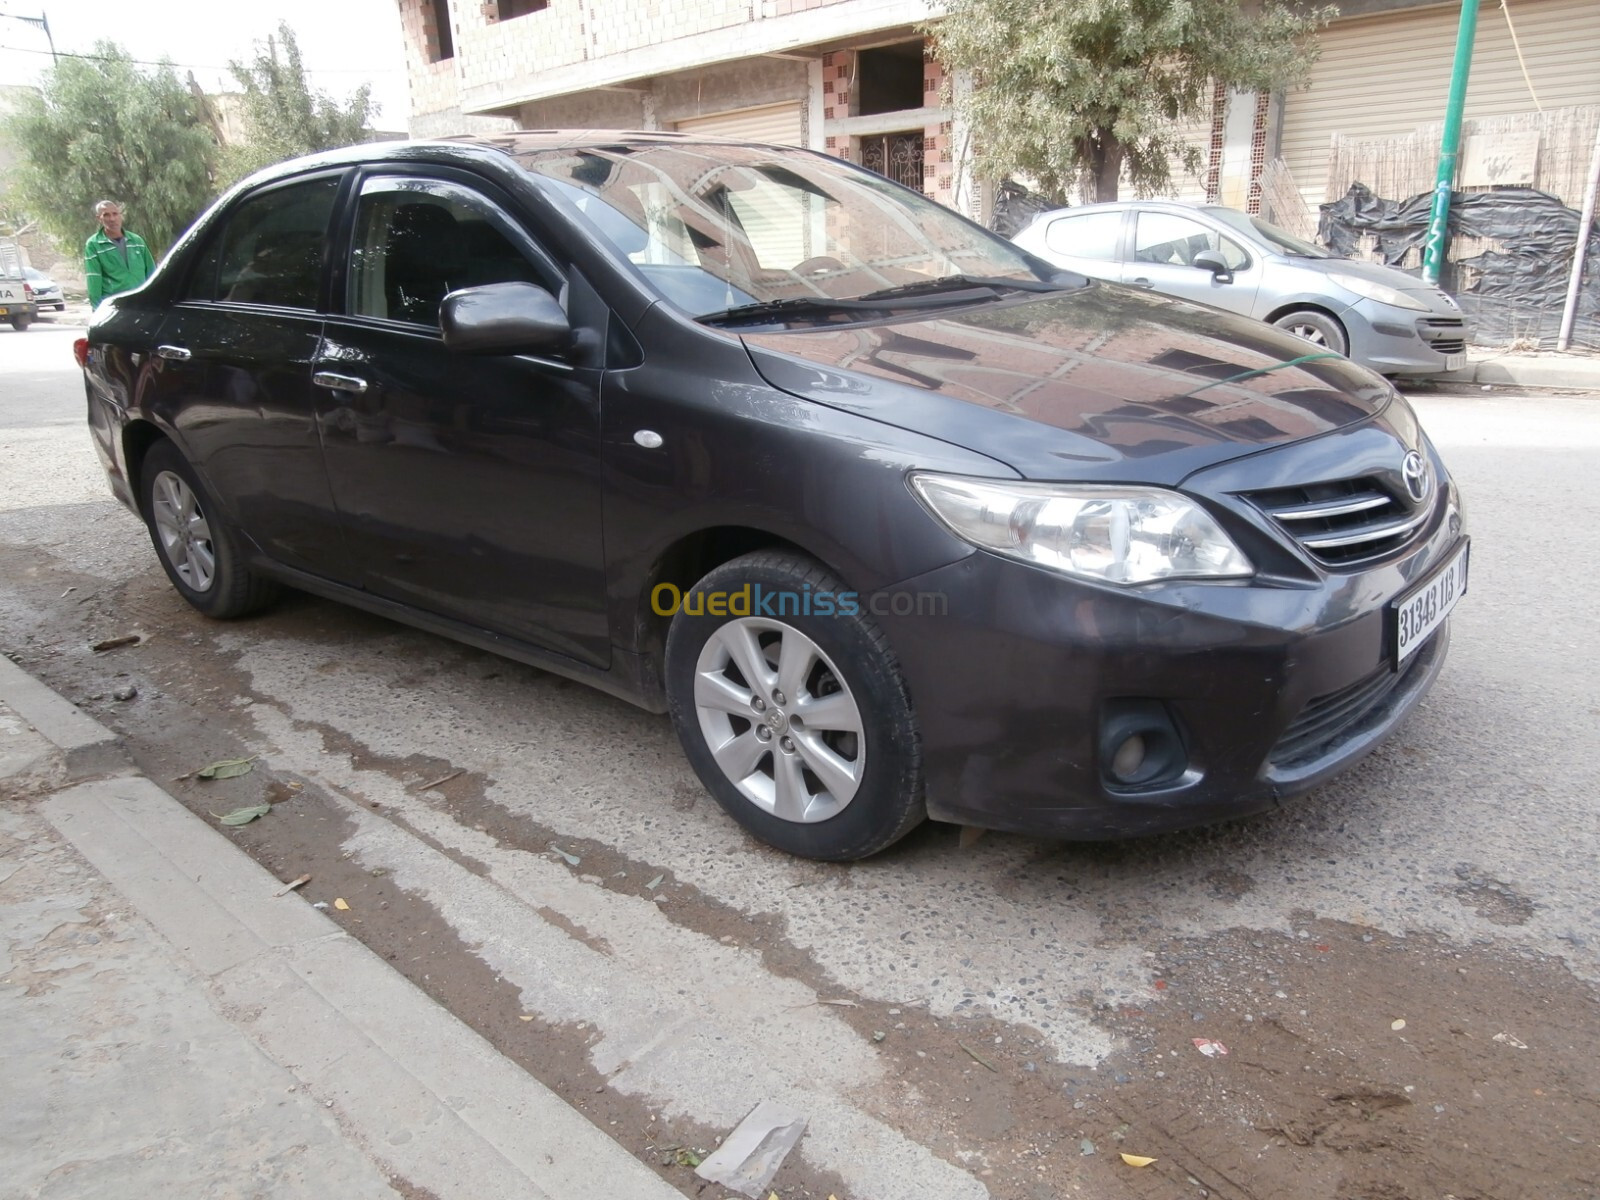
(1433, 248)
(39, 22)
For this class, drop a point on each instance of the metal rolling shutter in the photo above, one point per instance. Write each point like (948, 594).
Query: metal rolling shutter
(1384, 76)
(778, 123)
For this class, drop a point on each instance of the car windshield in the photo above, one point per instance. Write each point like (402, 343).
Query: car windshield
(719, 226)
(1279, 239)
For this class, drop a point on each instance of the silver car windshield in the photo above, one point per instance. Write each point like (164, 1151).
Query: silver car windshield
(714, 226)
(1279, 239)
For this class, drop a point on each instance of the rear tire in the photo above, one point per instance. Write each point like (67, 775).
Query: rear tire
(199, 553)
(1319, 329)
(799, 724)
(20, 324)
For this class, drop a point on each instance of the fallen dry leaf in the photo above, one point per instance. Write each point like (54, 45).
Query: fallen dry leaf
(338, 902)
(292, 884)
(1137, 1160)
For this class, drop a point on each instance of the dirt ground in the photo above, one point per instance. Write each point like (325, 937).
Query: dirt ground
(1359, 1065)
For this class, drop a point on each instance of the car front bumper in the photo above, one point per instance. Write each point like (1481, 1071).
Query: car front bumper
(1404, 341)
(1272, 688)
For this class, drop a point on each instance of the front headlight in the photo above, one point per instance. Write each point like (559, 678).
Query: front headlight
(1123, 535)
(1381, 292)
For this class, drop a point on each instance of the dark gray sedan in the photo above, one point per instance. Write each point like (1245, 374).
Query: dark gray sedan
(894, 519)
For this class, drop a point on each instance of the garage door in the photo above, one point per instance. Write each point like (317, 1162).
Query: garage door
(1384, 76)
(779, 123)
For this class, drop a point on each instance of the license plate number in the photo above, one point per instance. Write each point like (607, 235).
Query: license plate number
(1454, 362)
(1422, 610)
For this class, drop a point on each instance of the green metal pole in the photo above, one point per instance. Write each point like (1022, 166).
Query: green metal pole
(1450, 151)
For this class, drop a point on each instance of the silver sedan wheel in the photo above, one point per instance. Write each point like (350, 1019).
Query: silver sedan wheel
(1310, 332)
(779, 719)
(184, 531)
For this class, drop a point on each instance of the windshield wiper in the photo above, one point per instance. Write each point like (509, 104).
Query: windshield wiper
(791, 306)
(952, 283)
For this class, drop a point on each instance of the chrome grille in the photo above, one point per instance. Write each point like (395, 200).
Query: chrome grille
(1345, 521)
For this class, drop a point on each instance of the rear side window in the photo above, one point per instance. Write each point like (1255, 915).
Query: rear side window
(1091, 235)
(271, 249)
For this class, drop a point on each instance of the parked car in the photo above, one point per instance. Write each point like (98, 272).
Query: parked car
(46, 291)
(1382, 318)
(893, 518)
(17, 304)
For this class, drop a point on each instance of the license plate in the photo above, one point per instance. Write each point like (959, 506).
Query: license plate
(1454, 362)
(4, 311)
(1423, 609)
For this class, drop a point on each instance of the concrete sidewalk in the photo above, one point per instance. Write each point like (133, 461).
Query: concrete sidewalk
(1525, 369)
(171, 1025)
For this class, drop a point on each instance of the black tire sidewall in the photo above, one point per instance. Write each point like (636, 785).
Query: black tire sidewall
(888, 803)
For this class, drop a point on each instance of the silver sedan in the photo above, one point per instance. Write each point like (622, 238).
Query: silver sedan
(1377, 315)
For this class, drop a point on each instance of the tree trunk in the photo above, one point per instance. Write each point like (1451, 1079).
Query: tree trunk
(1106, 167)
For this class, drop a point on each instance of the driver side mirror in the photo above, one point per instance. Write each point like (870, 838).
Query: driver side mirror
(1211, 260)
(505, 318)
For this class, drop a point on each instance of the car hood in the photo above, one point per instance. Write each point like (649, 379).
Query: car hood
(1102, 382)
(1427, 293)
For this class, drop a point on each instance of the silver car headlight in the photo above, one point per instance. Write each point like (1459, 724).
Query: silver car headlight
(1122, 535)
(1381, 292)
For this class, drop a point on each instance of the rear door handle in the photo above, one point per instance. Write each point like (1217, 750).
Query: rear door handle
(339, 383)
(176, 353)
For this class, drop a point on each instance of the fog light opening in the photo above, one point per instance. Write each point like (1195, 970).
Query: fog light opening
(1125, 763)
(1140, 745)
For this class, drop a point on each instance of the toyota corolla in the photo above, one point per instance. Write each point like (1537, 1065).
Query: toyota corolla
(894, 519)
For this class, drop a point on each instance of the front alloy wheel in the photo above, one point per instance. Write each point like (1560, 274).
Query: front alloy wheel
(798, 721)
(779, 719)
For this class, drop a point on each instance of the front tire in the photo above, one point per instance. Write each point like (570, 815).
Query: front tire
(1317, 328)
(797, 719)
(198, 551)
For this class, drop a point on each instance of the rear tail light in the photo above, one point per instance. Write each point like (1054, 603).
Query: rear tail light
(27, 291)
(80, 351)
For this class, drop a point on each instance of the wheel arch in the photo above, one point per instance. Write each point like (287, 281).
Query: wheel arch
(1294, 306)
(138, 436)
(684, 563)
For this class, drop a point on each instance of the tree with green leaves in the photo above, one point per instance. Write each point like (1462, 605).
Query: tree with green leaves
(283, 116)
(1072, 92)
(102, 128)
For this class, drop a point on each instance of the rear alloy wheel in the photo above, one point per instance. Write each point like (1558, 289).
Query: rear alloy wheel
(199, 553)
(1317, 328)
(798, 724)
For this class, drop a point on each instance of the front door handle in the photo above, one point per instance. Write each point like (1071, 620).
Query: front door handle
(176, 353)
(339, 383)
(1142, 282)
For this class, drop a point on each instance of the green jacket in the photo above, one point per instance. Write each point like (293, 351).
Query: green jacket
(108, 272)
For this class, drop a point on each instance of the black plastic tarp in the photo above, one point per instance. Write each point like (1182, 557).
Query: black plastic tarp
(1516, 292)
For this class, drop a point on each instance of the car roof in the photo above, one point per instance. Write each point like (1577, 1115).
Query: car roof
(511, 144)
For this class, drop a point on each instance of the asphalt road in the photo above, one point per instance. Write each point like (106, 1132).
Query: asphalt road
(1477, 824)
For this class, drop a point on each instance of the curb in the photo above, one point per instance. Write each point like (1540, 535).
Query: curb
(413, 1087)
(87, 747)
(1573, 373)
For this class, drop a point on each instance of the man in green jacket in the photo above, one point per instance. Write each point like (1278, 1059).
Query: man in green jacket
(114, 259)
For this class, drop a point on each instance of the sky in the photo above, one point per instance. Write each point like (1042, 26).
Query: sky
(345, 43)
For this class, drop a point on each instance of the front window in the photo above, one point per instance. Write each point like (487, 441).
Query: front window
(713, 227)
(1161, 237)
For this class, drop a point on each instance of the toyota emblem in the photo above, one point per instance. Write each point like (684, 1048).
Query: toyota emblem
(1417, 476)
